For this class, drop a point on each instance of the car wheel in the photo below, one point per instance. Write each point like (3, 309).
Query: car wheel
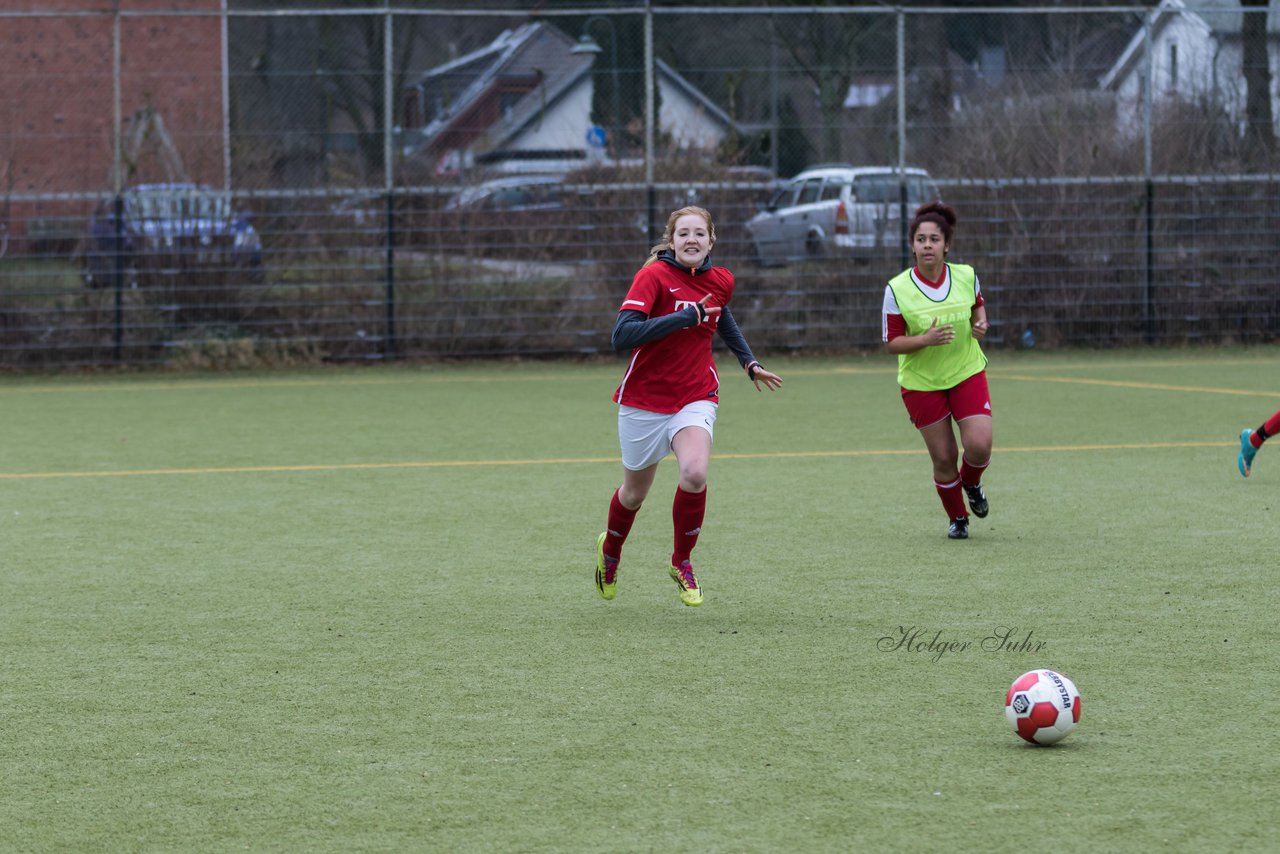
(813, 247)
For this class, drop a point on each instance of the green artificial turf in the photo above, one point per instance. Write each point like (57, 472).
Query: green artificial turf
(353, 610)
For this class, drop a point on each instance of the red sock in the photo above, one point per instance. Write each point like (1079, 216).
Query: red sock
(971, 475)
(687, 512)
(620, 521)
(1271, 428)
(952, 500)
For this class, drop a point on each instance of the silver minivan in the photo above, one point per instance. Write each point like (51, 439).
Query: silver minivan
(837, 211)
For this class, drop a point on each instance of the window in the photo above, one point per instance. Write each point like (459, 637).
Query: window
(783, 197)
(508, 198)
(875, 189)
(507, 102)
(920, 190)
(809, 193)
(883, 190)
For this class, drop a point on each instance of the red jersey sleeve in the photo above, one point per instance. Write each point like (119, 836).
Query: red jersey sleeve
(643, 293)
(894, 326)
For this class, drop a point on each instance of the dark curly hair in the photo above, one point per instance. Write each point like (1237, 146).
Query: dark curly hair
(941, 215)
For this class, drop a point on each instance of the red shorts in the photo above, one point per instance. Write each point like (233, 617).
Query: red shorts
(962, 401)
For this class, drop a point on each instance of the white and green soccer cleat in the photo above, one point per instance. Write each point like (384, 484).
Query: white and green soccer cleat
(690, 592)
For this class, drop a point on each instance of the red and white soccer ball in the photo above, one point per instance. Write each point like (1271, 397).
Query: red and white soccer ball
(1043, 706)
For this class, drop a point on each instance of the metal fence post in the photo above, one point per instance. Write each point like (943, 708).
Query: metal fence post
(773, 97)
(650, 121)
(226, 101)
(388, 181)
(902, 137)
(117, 249)
(1148, 287)
(117, 185)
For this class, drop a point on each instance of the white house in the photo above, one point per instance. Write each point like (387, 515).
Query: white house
(1196, 52)
(524, 102)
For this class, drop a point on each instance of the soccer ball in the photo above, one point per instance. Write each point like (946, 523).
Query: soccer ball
(1043, 706)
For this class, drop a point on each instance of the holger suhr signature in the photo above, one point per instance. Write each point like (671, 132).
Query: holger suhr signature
(937, 644)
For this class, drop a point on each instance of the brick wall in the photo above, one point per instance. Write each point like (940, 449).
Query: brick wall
(56, 91)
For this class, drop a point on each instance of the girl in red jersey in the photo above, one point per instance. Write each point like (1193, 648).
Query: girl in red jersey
(932, 320)
(669, 394)
(1251, 441)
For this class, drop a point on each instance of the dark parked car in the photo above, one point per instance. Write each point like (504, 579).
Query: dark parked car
(515, 216)
(171, 228)
(512, 193)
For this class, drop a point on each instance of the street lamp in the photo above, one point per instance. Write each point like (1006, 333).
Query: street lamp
(586, 44)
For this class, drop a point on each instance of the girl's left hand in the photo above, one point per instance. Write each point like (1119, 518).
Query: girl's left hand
(771, 380)
(980, 328)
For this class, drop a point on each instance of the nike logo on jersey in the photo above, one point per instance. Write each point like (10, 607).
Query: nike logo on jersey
(674, 290)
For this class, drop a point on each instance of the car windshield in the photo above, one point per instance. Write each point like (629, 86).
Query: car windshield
(508, 198)
(883, 189)
(783, 196)
(507, 193)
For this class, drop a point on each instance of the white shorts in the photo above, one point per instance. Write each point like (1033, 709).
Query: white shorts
(646, 436)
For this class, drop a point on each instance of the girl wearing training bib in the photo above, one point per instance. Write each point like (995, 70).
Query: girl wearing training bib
(933, 319)
(667, 401)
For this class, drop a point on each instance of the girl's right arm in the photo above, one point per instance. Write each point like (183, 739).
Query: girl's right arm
(931, 337)
(634, 328)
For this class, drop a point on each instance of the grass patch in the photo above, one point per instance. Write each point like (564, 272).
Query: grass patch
(352, 610)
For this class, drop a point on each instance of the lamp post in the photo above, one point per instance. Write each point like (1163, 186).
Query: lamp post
(586, 44)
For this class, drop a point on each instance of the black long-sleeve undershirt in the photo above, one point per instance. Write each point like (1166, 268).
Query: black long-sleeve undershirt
(634, 328)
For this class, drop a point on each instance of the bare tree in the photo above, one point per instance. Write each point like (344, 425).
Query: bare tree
(929, 54)
(824, 48)
(351, 55)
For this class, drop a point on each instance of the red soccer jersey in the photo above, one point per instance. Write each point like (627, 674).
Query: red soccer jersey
(675, 370)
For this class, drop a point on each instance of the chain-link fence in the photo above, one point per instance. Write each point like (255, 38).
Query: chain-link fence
(222, 183)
